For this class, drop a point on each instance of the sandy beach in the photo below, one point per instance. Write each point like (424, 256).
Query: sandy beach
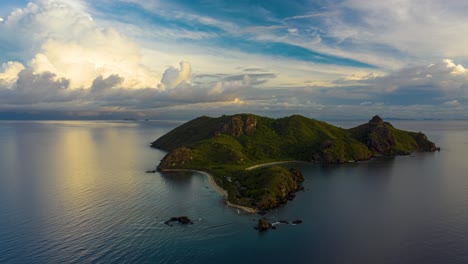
(224, 193)
(218, 189)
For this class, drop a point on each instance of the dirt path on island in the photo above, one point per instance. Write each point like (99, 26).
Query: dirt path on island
(273, 163)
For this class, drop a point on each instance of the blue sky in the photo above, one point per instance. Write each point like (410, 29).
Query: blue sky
(178, 59)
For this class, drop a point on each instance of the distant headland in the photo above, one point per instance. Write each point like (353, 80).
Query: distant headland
(232, 149)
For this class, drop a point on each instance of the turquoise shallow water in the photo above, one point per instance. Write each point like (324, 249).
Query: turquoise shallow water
(77, 192)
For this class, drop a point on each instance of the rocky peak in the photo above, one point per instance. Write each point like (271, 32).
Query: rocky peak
(376, 120)
(237, 125)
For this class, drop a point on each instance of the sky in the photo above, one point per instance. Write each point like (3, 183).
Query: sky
(178, 59)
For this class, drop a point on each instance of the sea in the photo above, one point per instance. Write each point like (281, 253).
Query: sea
(78, 192)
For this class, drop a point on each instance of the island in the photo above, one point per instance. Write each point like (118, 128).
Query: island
(233, 150)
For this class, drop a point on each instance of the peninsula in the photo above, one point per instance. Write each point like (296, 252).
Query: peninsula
(230, 148)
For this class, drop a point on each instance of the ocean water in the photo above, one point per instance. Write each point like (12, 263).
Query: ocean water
(77, 192)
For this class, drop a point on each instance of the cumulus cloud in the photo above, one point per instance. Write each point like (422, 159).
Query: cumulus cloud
(31, 88)
(445, 78)
(432, 84)
(173, 77)
(100, 84)
(10, 72)
(58, 36)
(45, 91)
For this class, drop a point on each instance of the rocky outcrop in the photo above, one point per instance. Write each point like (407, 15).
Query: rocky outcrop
(176, 159)
(297, 176)
(377, 120)
(237, 125)
(424, 143)
(380, 138)
(263, 225)
(383, 139)
(184, 220)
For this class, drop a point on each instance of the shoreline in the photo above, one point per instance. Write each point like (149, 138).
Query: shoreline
(217, 188)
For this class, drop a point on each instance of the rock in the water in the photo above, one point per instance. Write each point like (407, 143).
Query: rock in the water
(296, 222)
(184, 220)
(263, 224)
(291, 197)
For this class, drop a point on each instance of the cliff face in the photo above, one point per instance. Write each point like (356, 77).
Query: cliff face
(237, 125)
(177, 159)
(424, 143)
(379, 137)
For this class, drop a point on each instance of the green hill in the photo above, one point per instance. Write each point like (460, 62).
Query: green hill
(227, 145)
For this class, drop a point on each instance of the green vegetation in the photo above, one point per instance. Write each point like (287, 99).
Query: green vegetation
(266, 188)
(227, 145)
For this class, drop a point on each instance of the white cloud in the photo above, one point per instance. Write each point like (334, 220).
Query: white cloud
(425, 29)
(452, 103)
(366, 103)
(10, 73)
(445, 77)
(455, 69)
(63, 39)
(173, 77)
(311, 15)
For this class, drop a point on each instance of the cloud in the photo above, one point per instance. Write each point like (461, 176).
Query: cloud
(311, 15)
(418, 29)
(31, 88)
(444, 77)
(431, 84)
(10, 73)
(57, 57)
(45, 91)
(58, 36)
(173, 77)
(100, 84)
(452, 103)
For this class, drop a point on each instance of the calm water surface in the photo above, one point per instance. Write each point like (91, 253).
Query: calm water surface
(77, 192)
